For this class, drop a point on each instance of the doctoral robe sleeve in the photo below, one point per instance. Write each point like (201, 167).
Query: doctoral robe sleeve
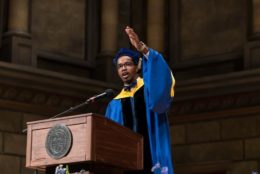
(114, 111)
(159, 82)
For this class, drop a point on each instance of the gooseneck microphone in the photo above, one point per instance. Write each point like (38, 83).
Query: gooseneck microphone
(107, 93)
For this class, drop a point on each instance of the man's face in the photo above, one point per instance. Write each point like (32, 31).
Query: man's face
(126, 69)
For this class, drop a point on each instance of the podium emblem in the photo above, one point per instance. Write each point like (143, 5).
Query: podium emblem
(58, 141)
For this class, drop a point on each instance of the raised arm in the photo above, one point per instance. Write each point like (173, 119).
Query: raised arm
(158, 78)
(159, 81)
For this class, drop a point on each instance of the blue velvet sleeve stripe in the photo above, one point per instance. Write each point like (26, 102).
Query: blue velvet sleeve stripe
(158, 81)
(114, 111)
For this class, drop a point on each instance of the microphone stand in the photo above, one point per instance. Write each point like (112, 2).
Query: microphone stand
(70, 109)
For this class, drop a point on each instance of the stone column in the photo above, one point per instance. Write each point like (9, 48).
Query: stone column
(155, 24)
(105, 70)
(1, 20)
(17, 39)
(18, 16)
(109, 25)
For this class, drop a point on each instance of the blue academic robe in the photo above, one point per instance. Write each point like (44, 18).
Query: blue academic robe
(158, 83)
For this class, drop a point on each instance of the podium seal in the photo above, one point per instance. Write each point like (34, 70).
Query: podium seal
(58, 141)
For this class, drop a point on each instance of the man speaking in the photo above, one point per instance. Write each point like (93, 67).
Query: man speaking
(143, 102)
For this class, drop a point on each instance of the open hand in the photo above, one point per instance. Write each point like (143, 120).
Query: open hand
(133, 37)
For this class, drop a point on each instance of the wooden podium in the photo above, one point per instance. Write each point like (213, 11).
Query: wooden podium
(97, 144)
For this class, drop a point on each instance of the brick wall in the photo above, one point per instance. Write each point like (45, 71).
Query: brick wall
(13, 141)
(27, 94)
(229, 144)
(215, 124)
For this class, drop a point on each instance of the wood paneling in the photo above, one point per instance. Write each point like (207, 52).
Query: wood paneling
(95, 140)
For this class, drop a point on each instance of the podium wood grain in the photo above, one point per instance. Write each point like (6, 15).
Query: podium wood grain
(95, 140)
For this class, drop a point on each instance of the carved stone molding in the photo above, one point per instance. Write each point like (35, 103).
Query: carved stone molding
(37, 97)
(34, 90)
(218, 85)
(217, 96)
(216, 103)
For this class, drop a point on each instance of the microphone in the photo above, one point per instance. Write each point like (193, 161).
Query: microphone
(107, 93)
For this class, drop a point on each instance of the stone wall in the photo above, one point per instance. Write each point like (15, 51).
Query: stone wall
(224, 140)
(230, 145)
(13, 140)
(212, 47)
(26, 95)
